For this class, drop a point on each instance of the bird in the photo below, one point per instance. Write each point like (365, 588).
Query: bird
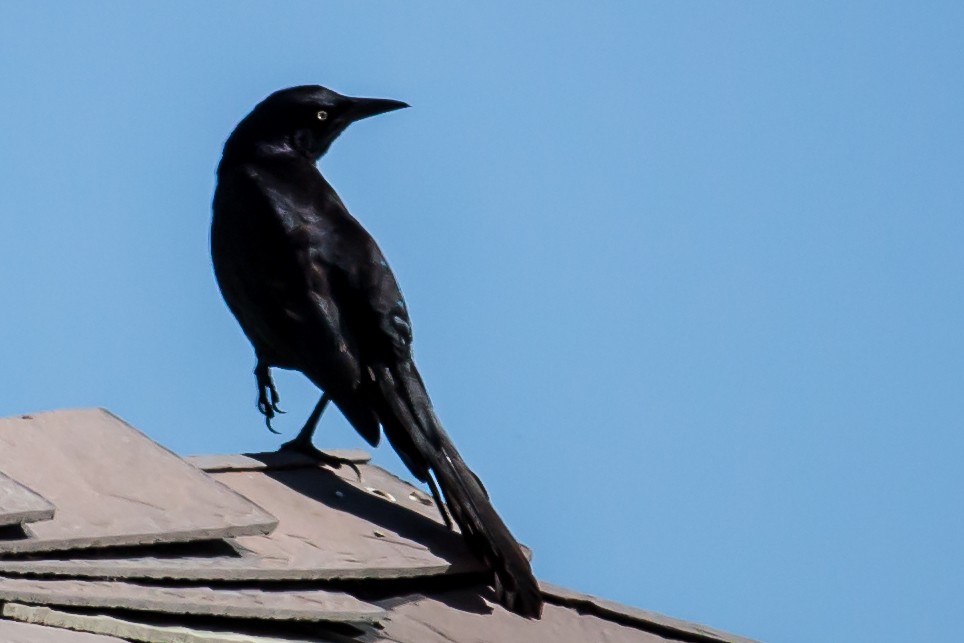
(314, 293)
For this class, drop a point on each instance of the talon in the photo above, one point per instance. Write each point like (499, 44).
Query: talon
(323, 458)
(264, 408)
(275, 398)
(268, 397)
(354, 468)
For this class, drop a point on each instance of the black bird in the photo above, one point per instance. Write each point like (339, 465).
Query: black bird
(313, 293)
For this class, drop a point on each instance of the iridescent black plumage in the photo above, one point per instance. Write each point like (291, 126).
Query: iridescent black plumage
(313, 292)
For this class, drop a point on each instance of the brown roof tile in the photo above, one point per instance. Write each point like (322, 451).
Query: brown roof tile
(372, 551)
(330, 526)
(129, 629)
(18, 504)
(111, 485)
(14, 632)
(270, 604)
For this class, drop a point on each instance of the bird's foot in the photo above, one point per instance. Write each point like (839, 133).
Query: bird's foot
(268, 397)
(305, 447)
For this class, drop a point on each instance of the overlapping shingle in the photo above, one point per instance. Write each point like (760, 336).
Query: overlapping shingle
(267, 604)
(111, 486)
(18, 504)
(17, 632)
(330, 526)
(154, 630)
(370, 559)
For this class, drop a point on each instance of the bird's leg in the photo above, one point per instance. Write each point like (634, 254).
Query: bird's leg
(302, 442)
(303, 439)
(268, 397)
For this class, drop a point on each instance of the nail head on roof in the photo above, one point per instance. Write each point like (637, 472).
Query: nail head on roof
(418, 496)
(381, 494)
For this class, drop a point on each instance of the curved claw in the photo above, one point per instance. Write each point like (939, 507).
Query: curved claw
(275, 398)
(268, 397)
(268, 412)
(354, 467)
(267, 423)
(310, 450)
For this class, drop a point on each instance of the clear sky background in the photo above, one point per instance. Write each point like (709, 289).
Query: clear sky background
(686, 278)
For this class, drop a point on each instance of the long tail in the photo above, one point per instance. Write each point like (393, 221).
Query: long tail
(416, 433)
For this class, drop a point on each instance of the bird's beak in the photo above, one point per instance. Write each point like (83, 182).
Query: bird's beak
(360, 108)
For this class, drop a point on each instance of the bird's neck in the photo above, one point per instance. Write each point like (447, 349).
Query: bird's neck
(281, 150)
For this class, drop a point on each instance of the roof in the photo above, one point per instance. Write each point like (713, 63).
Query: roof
(106, 536)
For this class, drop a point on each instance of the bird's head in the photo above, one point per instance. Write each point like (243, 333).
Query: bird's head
(305, 119)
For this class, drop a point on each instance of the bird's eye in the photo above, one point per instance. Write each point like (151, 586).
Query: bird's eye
(322, 115)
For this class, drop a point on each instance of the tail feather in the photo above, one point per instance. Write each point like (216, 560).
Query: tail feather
(416, 433)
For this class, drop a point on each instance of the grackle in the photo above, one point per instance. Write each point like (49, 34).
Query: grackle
(313, 293)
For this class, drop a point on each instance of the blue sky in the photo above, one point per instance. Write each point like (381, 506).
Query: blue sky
(686, 278)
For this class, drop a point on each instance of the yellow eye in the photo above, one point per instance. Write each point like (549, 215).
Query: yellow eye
(322, 115)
